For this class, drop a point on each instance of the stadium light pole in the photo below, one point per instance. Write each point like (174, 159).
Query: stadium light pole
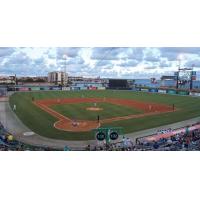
(15, 82)
(191, 78)
(65, 68)
(179, 58)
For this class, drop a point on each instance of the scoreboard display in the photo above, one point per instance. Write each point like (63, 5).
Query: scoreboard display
(184, 75)
(185, 78)
(118, 83)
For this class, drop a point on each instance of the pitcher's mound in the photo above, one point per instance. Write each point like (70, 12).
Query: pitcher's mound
(94, 108)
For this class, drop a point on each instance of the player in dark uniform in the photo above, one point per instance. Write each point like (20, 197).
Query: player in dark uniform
(173, 107)
(98, 118)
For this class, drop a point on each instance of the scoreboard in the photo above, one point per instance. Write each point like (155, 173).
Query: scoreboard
(118, 83)
(185, 77)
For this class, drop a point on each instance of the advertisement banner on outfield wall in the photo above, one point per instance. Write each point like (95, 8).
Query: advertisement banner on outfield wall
(56, 88)
(75, 88)
(183, 92)
(66, 88)
(171, 91)
(101, 88)
(83, 88)
(162, 91)
(92, 88)
(23, 89)
(153, 90)
(144, 90)
(196, 94)
(3, 91)
(35, 88)
(44, 88)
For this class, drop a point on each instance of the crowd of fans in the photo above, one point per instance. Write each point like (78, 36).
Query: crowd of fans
(188, 141)
(185, 142)
(8, 143)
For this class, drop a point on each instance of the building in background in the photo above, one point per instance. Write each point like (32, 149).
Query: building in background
(7, 80)
(58, 78)
(31, 80)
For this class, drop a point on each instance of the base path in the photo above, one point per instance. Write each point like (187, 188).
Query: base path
(66, 124)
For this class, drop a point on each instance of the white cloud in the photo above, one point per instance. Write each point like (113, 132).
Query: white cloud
(105, 62)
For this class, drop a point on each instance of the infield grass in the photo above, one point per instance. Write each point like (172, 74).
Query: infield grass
(79, 111)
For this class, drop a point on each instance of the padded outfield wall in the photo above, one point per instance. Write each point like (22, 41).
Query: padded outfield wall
(3, 91)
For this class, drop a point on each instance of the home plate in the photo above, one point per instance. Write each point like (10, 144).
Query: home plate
(28, 133)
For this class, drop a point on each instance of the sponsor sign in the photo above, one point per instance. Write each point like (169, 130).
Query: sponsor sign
(100, 136)
(24, 89)
(162, 91)
(114, 135)
(56, 88)
(83, 88)
(153, 90)
(144, 90)
(195, 94)
(171, 91)
(101, 88)
(183, 92)
(92, 88)
(75, 88)
(193, 78)
(35, 88)
(66, 88)
(45, 88)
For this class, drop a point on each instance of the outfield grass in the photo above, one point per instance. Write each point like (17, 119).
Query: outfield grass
(42, 123)
(79, 111)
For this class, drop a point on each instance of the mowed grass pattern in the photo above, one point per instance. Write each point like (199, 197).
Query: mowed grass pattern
(42, 123)
(79, 111)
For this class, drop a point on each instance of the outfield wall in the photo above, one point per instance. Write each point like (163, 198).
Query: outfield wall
(3, 91)
(167, 91)
(99, 87)
(55, 88)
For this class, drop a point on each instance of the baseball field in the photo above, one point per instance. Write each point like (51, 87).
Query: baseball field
(72, 115)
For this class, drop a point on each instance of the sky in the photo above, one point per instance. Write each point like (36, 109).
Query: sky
(106, 62)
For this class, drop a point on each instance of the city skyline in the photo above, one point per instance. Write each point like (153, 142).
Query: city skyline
(106, 62)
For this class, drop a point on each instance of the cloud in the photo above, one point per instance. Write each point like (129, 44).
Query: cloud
(164, 63)
(172, 53)
(69, 52)
(19, 59)
(107, 53)
(6, 51)
(124, 62)
(194, 63)
(178, 50)
(129, 62)
(150, 67)
(103, 63)
(152, 55)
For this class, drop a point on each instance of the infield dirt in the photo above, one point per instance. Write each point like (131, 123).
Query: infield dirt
(67, 124)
